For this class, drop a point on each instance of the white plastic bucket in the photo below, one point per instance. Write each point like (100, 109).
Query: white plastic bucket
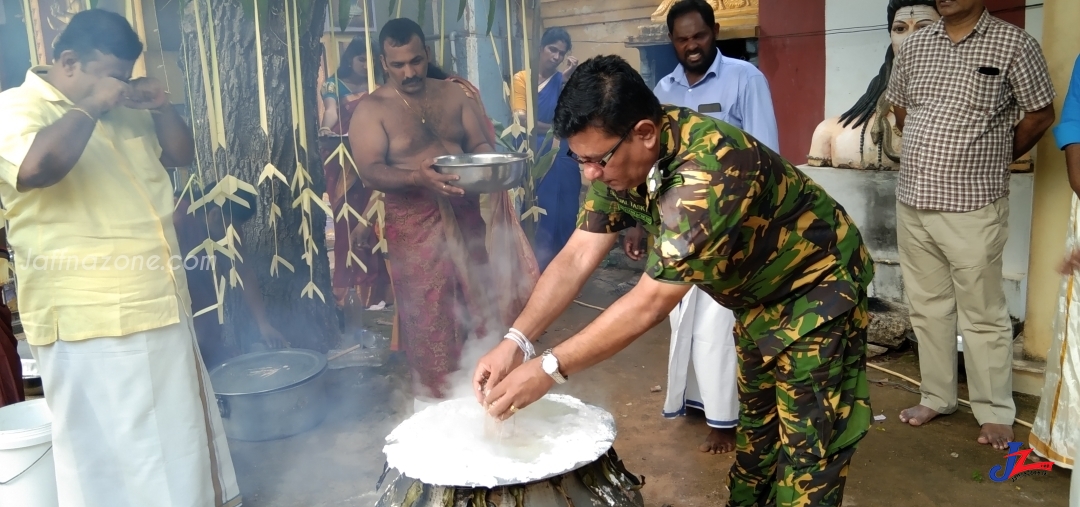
(27, 476)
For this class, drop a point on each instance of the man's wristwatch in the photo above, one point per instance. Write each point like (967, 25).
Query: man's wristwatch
(550, 364)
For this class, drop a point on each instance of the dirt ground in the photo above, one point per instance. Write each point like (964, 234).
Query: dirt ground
(338, 463)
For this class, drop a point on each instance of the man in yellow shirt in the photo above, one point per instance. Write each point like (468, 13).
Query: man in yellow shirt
(102, 294)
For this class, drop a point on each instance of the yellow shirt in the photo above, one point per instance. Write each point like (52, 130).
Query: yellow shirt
(517, 98)
(96, 254)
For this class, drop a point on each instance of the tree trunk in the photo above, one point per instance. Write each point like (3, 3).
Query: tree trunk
(306, 322)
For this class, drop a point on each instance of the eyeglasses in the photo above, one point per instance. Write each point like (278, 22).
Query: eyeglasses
(604, 159)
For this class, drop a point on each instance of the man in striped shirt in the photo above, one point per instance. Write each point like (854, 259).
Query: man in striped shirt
(959, 88)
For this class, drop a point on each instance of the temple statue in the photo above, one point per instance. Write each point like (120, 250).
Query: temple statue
(865, 136)
(720, 7)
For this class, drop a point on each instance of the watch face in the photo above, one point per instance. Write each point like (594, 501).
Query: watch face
(550, 364)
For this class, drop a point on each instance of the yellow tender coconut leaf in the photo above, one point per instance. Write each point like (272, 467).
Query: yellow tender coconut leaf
(206, 310)
(307, 197)
(278, 260)
(534, 212)
(269, 171)
(275, 213)
(380, 246)
(234, 278)
(378, 209)
(312, 288)
(209, 246)
(353, 258)
(347, 210)
(260, 77)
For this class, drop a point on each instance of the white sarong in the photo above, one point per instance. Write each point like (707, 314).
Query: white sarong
(136, 423)
(702, 363)
(1055, 434)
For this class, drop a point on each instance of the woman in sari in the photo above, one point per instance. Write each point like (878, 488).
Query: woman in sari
(1056, 431)
(342, 91)
(559, 190)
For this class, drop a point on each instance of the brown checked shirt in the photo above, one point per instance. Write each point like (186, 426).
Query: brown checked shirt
(963, 102)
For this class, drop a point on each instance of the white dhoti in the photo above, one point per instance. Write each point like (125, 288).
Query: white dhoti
(135, 422)
(1055, 434)
(702, 363)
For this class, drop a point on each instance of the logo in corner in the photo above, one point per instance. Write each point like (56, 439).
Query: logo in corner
(1016, 465)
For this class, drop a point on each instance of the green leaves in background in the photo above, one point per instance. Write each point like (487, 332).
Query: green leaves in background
(263, 8)
(344, 9)
(250, 7)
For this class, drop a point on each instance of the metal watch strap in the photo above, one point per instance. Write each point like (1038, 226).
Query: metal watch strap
(555, 373)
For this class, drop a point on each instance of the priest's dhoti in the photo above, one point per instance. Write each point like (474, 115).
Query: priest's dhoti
(135, 422)
(1055, 434)
(702, 363)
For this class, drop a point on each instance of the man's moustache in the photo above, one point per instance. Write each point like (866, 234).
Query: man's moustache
(413, 80)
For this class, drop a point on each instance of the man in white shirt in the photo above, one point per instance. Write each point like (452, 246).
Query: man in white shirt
(736, 92)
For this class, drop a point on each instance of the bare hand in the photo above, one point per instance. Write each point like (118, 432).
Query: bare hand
(495, 366)
(634, 243)
(520, 389)
(439, 183)
(1072, 262)
(105, 94)
(571, 64)
(272, 337)
(359, 238)
(146, 93)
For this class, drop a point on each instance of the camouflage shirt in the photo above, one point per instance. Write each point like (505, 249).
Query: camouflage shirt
(731, 216)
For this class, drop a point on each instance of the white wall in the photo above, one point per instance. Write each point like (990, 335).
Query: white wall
(1033, 19)
(852, 59)
(869, 197)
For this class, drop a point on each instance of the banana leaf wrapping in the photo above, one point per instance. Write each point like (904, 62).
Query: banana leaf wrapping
(603, 483)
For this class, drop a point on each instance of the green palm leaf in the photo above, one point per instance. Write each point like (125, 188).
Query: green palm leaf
(344, 8)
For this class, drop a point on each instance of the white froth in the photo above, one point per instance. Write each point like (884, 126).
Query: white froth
(455, 443)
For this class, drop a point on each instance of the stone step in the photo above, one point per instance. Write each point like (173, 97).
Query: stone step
(1028, 375)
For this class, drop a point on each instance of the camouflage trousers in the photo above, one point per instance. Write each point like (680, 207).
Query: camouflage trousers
(801, 415)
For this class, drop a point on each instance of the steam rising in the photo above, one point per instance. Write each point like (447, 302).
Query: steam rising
(460, 382)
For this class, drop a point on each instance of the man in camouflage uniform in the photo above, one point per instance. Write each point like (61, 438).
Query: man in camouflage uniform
(730, 216)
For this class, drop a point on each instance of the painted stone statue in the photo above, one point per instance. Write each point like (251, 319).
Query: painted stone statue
(720, 7)
(865, 136)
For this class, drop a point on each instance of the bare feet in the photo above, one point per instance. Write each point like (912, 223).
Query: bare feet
(719, 441)
(997, 435)
(917, 415)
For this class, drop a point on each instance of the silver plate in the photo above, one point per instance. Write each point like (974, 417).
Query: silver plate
(263, 372)
(484, 173)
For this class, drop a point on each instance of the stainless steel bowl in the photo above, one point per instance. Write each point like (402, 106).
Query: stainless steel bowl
(484, 173)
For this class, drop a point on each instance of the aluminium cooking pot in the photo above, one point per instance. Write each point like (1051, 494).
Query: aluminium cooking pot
(271, 395)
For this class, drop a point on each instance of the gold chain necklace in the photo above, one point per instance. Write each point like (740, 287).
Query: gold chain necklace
(422, 120)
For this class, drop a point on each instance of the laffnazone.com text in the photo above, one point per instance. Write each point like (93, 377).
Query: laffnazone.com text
(61, 262)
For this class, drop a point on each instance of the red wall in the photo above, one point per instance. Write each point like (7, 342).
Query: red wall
(795, 67)
(792, 56)
(1010, 10)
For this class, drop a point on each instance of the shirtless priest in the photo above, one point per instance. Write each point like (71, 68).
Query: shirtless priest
(435, 234)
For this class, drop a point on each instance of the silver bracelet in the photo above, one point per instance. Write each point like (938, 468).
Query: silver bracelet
(523, 343)
(530, 351)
